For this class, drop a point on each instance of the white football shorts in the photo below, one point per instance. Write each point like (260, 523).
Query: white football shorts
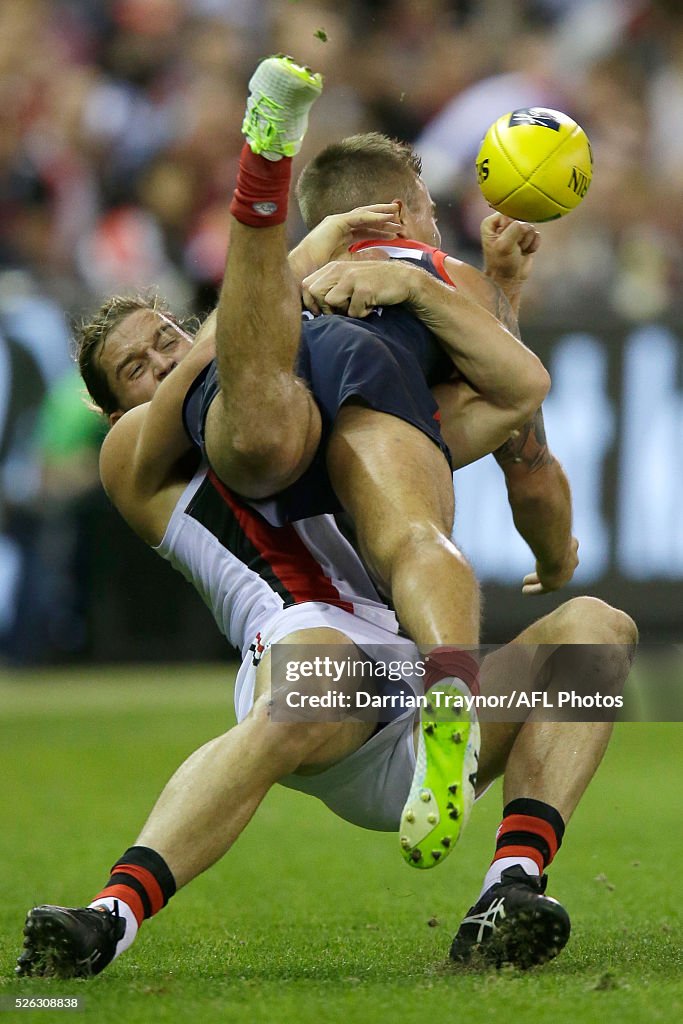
(369, 787)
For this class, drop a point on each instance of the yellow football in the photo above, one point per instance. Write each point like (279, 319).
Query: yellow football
(534, 164)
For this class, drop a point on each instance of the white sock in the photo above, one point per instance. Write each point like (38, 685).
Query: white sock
(496, 870)
(129, 917)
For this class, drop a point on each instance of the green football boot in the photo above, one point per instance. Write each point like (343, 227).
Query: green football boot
(443, 788)
(281, 94)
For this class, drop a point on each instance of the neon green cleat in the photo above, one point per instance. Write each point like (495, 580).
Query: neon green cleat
(443, 788)
(281, 94)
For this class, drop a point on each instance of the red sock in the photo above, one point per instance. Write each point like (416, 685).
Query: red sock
(443, 662)
(531, 829)
(262, 193)
(142, 880)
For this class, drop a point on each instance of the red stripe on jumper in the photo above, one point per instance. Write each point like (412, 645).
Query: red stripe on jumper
(438, 257)
(396, 243)
(285, 552)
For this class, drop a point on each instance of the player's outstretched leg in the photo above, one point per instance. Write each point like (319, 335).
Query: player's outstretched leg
(258, 320)
(202, 810)
(443, 788)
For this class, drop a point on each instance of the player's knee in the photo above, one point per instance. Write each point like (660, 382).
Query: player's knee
(251, 457)
(433, 549)
(262, 448)
(257, 442)
(290, 733)
(238, 438)
(423, 543)
(591, 620)
(623, 627)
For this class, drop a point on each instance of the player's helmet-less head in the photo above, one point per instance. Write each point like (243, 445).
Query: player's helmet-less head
(92, 336)
(362, 170)
(358, 171)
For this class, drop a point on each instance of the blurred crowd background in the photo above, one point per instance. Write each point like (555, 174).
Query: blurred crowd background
(119, 138)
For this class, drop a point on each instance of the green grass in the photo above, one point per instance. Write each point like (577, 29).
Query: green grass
(309, 919)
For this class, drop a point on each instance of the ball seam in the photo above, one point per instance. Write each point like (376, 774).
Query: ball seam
(526, 181)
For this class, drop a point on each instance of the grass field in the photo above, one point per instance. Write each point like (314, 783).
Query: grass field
(309, 919)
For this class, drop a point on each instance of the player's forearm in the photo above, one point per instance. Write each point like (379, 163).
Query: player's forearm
(495, 363)
(540, 499)
(485, 288)
(163, 438)
(206, 335)
(511, 289)
(542, 512)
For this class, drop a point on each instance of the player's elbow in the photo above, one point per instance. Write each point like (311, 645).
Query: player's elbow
(534, 386)
(543, 382)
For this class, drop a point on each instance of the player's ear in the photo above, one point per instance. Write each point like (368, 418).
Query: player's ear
(114, 417)
(401, 216)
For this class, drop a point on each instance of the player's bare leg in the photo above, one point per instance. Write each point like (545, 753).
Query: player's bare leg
(554, 761)
(397, 487)
(547, 767)
(263, 427)
(253, 755)
(199, 815)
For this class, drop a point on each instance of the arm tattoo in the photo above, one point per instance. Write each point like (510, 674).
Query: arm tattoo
(528, 447)
(501, 308)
